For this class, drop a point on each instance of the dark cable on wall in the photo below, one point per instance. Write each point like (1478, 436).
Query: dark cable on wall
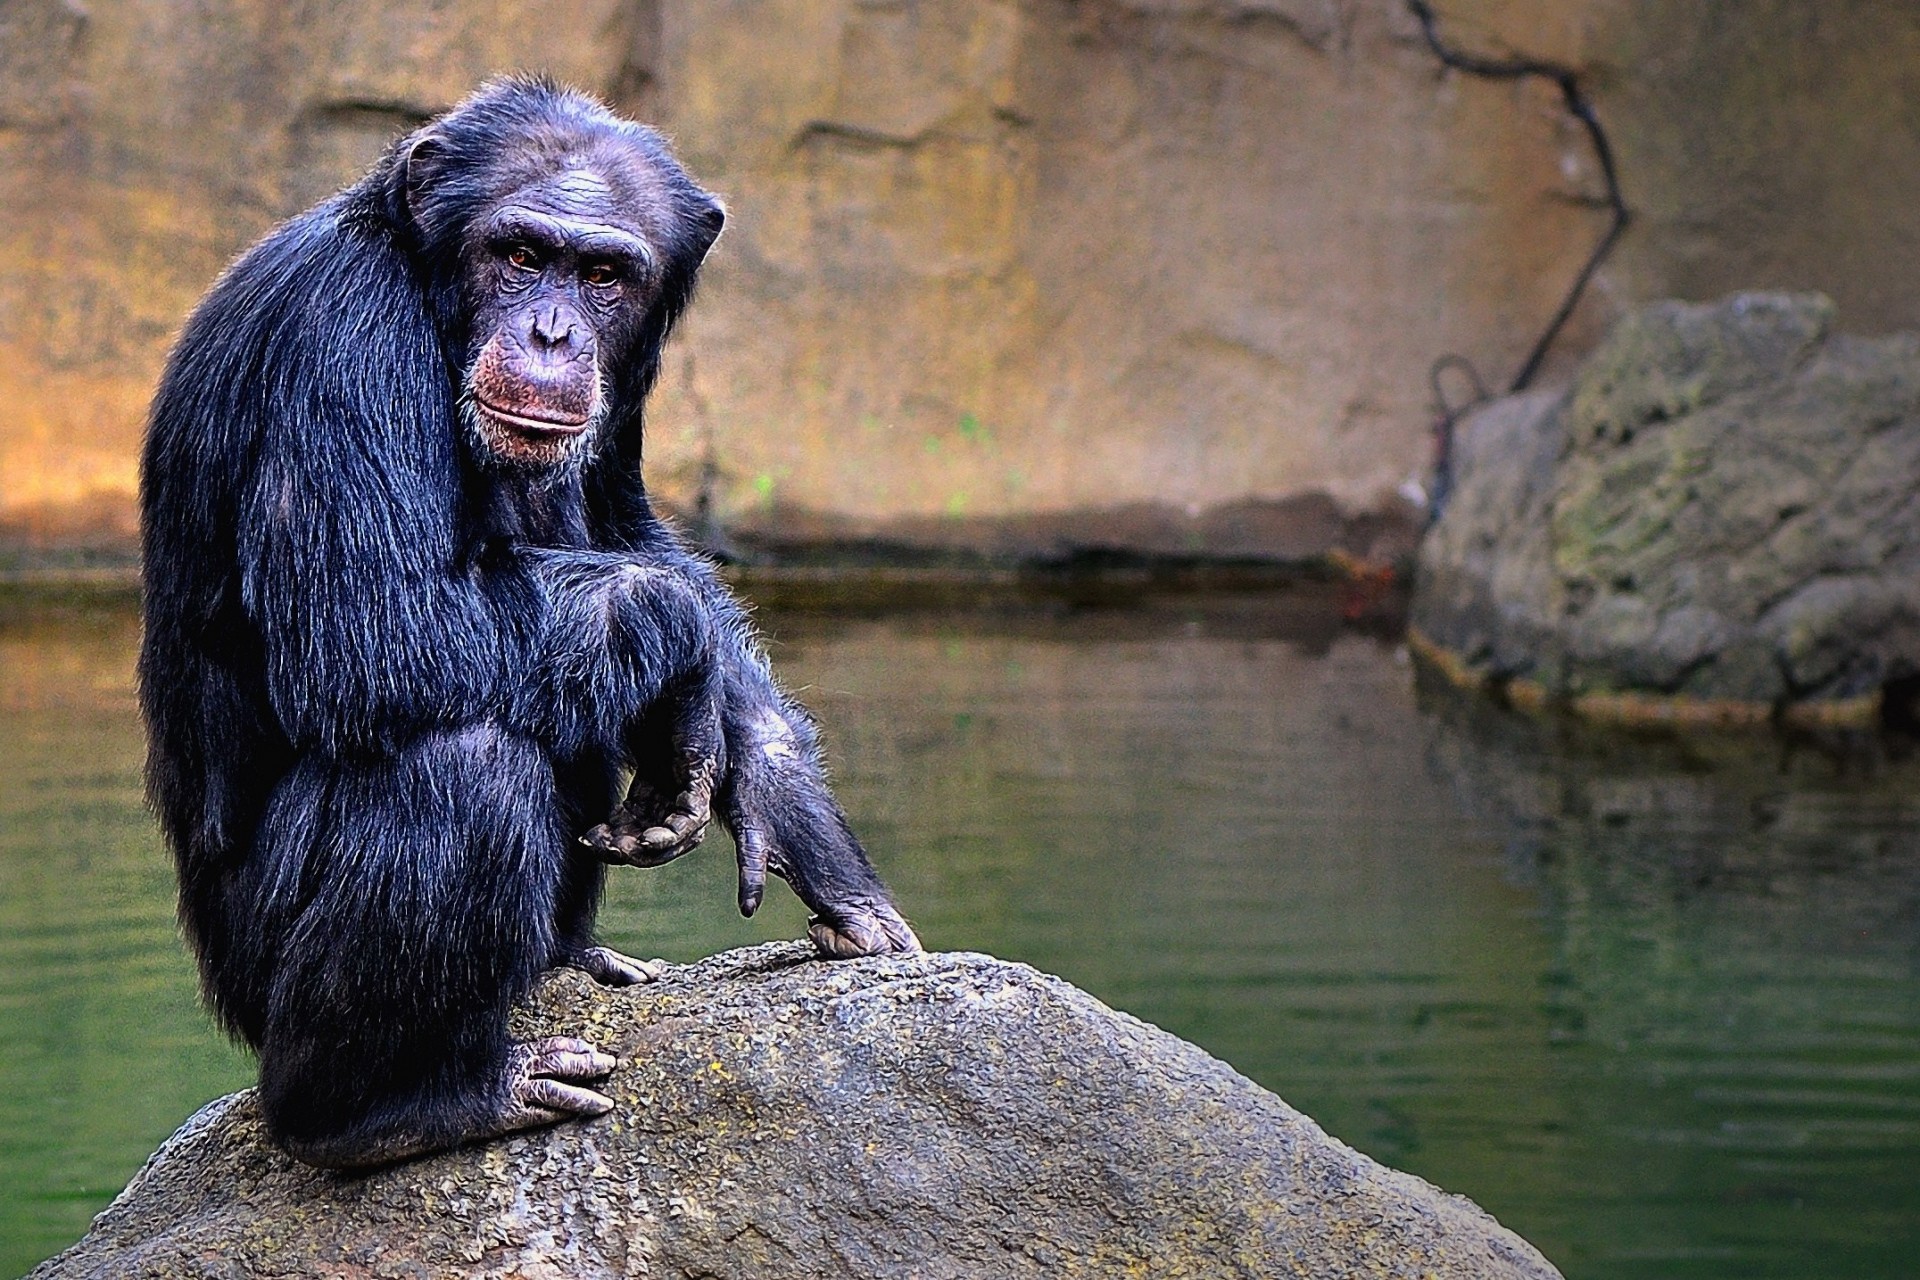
(1568, 81)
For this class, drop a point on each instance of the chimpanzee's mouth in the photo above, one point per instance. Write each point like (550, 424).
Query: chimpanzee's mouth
(530, 425)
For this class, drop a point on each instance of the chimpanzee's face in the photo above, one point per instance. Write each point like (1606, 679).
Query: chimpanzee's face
(560, 275)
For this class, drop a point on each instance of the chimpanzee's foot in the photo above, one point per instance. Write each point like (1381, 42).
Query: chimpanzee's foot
(611, 968)
(650, 829)
(856, 929)
(546, 1083)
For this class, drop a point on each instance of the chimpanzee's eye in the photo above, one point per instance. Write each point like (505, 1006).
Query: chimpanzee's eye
(522, 258)
(601, 274)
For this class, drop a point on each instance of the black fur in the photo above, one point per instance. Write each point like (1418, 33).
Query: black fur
(388, 681)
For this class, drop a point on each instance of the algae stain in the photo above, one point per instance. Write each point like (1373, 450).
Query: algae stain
(970, 431)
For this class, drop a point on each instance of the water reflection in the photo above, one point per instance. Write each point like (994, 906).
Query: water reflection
(1734, 985)
(102, 1048)
(1655, 1004)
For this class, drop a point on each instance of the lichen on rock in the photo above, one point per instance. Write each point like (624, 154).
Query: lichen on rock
(1719, 520)
(943, 1115)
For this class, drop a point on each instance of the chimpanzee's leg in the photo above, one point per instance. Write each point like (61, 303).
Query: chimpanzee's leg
(441, 863)
(588, 789)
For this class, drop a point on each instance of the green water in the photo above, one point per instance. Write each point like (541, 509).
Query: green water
(1654, 1004)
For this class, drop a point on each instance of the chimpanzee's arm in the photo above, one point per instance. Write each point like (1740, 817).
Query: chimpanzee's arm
(773, 795)
(625, 664)
(784, 819)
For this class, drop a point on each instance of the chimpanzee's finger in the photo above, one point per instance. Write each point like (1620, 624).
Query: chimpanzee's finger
(566, 1099)
(603, 840)
(752, 842)
(658, 841)
(680, 825)
(861, 929)
(630, 849)
(566, 1058)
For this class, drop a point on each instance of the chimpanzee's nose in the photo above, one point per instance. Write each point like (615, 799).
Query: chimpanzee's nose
(553, 327)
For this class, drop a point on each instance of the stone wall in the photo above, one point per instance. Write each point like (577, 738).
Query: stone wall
(1017, 274)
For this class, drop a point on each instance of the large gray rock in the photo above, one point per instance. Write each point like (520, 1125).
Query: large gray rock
(1723, 512)
(926, 1116)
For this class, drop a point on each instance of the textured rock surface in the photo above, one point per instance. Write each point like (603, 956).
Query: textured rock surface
(927, 1116)
(1031, 275)
(1725, 507)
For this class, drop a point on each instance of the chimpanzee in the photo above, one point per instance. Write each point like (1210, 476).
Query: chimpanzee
(409, 617)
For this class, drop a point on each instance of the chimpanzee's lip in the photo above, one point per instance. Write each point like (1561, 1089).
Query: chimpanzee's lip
(536, 426)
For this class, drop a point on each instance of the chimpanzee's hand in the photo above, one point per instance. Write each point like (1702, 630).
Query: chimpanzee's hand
(679, 756)
(784, 820)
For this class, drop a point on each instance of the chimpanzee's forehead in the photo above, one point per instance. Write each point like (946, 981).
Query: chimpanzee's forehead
(577, 195)
(610, 185)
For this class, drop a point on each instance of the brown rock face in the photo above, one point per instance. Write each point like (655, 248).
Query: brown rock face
(1021, 275)
(928, 1116)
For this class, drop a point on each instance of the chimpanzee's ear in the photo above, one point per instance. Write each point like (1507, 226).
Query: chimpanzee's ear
(705, 216)
(420, 162)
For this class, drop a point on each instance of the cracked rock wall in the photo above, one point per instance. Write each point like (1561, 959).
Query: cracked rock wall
(1016, 275)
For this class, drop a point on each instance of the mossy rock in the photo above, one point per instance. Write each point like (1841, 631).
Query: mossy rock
(929, 1116)
(1722, 511)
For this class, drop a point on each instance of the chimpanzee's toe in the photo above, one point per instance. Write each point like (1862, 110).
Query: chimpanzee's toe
(612, 968)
